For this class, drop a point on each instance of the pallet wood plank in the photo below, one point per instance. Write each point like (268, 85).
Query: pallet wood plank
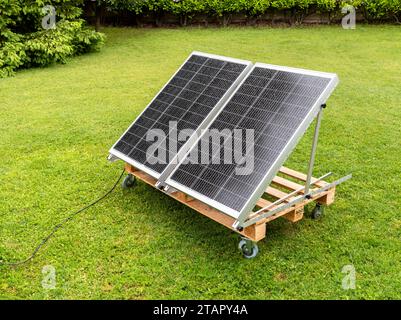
(257, 231)
(277, 193)
(296, 214)
(328, 197)
(263, 203)
(286, 183)
(300, 176)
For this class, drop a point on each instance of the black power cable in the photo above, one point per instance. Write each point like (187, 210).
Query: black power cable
(58, 226)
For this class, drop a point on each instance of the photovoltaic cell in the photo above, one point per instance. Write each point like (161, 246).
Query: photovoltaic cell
(273, 103)
(187, 99)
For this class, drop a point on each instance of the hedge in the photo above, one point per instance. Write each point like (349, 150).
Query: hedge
(224, 9)
(24, 43)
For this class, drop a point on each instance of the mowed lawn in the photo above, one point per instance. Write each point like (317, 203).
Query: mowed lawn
(58, 123)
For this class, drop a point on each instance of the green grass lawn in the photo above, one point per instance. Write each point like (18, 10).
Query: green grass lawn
(58, 123)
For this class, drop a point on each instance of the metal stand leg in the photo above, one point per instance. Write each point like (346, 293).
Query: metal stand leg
(313, 151)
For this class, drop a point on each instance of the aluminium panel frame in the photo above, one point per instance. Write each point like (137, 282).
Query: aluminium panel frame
(293, 141)
(242, 215)
(203, 124)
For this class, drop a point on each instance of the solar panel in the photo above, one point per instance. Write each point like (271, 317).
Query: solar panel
(190, 99)
(278, 103)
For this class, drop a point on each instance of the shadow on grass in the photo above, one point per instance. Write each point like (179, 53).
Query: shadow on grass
(172, 219)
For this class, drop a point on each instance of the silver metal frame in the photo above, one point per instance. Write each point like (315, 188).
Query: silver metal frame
(292, 142)
(313, 150)
(290, 195)
(291, 203)
(242, 215)
(204, 124)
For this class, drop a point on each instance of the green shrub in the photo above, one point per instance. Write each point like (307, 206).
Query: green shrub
(86, 40)
(223, 9)
(56, 45)
(379, 9)
(186, 9)
(24, 43)
(327, 5)
(255, 8)
(297, 9)
(393, 9)
(136, 6)
(374, 9)
(12, 56)
(157, 8)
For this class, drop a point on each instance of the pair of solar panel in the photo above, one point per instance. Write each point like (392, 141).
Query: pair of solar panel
(214, 92)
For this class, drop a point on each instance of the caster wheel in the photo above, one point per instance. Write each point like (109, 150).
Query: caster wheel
(317, 211)
(248, 248)
(128, 182)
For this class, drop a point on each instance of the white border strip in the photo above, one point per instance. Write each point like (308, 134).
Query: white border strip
(296, 70)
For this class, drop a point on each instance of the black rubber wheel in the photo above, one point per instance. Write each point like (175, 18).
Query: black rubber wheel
(317, 211)
(248, 253)
(128, 182)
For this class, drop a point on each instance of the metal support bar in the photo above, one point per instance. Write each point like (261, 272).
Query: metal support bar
(291, 194)
(295, 201)
(313, 150)
(237, 224)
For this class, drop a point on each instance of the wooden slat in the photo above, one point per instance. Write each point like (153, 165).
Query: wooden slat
(327, 198)
(144, 177)
(286, 183)
(300, 176)
(277, 193)
(295, 215)
(263, 203)
(130, 168)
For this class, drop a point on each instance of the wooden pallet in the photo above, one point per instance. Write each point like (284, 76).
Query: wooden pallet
(285, 182)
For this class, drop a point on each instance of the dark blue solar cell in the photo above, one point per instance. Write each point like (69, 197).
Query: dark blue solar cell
(272, 103)
(187, 100)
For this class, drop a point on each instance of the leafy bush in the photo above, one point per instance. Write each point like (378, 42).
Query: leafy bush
(224, 9)
(327, 5)
(157, 8)
(296, 8)
(393, 9)
(136, 6)
(56, 45)
(255, 8)
(12, 56)
(24, 43)
(379, 9)
(186, 9)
